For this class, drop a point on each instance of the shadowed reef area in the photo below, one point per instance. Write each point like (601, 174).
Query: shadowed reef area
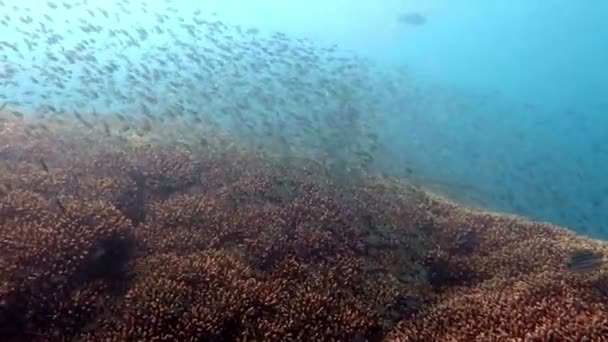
(105, 239)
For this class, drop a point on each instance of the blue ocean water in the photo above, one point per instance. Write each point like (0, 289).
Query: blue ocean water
(494, 103)
(509, 106)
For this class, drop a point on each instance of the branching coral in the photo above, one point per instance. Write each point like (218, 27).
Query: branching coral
(142, 242)
(505, 279)
(52, 261)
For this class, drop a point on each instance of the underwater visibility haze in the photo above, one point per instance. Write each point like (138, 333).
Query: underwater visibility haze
(321, 170)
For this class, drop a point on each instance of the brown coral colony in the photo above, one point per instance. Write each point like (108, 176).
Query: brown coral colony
(159, 243)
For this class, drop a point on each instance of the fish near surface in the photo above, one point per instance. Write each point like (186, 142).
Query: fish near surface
(412, 19)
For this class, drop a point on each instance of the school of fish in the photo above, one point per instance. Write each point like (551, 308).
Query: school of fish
(127, 69)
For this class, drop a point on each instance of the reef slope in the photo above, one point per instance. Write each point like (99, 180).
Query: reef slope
(121, 240)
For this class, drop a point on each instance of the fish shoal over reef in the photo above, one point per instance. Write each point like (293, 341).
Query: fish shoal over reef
(178, 177)
(74, 59)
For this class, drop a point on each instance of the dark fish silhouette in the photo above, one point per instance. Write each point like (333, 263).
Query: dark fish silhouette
(17, 114)
(106, 129)
(583, 261)
(57, 205)
(413, 19)
(43, 165)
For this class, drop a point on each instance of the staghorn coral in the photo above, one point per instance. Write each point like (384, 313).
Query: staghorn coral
(505, 279)
(52, 262)
(120, 240)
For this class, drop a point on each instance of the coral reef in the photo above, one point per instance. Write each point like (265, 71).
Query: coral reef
(133, 241)
(503, 278)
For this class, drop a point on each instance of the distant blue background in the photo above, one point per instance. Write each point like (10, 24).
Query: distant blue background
(510, 104)
(505, 103)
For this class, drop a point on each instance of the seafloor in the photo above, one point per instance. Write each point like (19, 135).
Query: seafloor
(121, 240)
